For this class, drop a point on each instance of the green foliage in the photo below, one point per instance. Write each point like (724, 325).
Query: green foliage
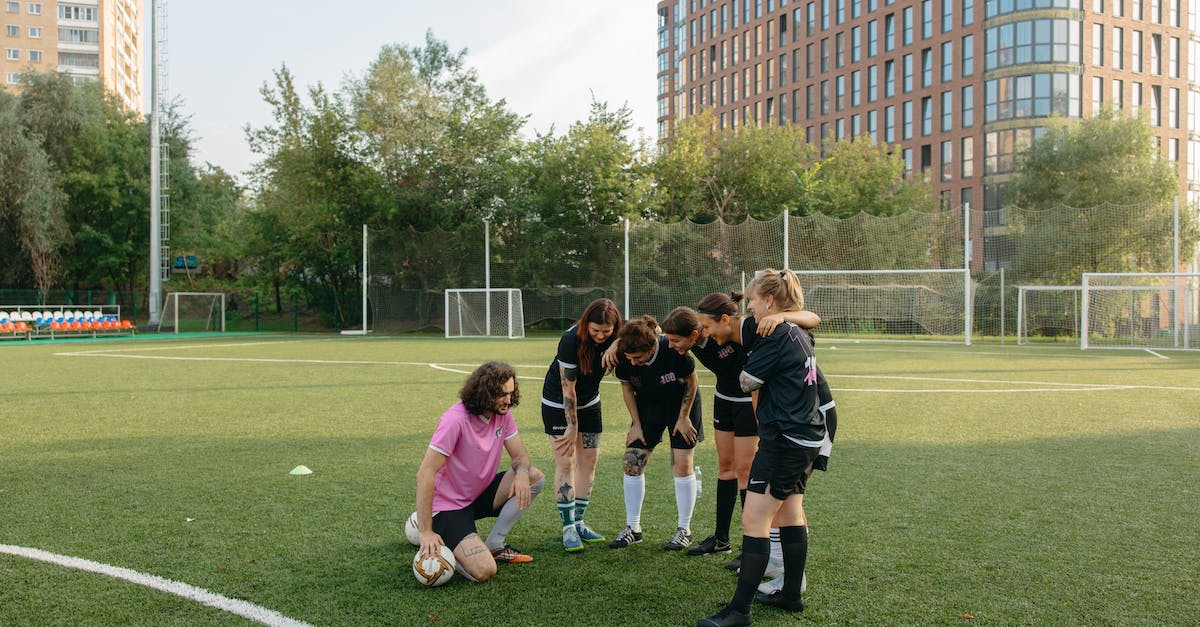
(1092, 166)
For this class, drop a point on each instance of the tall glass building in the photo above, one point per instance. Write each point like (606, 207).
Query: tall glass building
(959, 87)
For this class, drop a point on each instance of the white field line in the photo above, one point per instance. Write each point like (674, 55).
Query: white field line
(1050, 386)
(244, 609)
(1158, 355)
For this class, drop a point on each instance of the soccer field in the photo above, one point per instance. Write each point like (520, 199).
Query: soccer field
(969, 484)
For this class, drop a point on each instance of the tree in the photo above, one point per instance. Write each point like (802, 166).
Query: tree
(858, 175)
(31, 205)
(1075, 186)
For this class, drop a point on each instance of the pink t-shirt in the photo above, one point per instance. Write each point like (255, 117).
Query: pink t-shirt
(472, 446)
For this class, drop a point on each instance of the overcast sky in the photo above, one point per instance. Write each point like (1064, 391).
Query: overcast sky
(546, 58)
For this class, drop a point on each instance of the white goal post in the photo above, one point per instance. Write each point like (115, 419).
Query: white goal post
(891, 302)
(482, 312)
(1140, 310)
(193, 312)
(1050, 310)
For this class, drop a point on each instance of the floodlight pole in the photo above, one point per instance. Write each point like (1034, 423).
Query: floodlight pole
(1175, 268)
(968, 305)
(487, 275)
(626, 221)
(155, 186)
(364, 280)
(785, 240)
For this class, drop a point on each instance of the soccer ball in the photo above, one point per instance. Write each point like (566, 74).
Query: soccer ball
(411, 531)
(434, 571)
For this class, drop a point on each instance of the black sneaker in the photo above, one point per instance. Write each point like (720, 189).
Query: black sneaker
(627, 537)
(777, 599)
(727, 617)
(735, 564)
(711, 544)
(681, 540)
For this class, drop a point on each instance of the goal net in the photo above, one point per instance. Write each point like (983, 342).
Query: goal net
(1140, 310)
(932, 304)
(484, 313)
(1048, 311)
(193, 312)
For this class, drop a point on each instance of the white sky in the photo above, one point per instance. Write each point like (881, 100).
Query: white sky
(546, 58)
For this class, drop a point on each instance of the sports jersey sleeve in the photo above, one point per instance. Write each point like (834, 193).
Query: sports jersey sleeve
(750, 335)
(568, 350)
(623, 369)
(509, 426)
(446, 434)
(762, 362)
(687, 365)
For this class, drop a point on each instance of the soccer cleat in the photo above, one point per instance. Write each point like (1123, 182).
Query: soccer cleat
(727, 617)
(777, 599)
(711, 544)
(627, 537)
(681, 540)
(587, 534)
(571, 541)
(735, 564)
(509, 555)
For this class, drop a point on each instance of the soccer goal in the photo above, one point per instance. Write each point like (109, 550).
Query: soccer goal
(482, 312)
(1047, 310)
(914, 303)
(1139, 310)
(193, 312)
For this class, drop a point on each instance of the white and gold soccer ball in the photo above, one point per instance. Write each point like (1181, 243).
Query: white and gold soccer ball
(436, 570)
(411, 531)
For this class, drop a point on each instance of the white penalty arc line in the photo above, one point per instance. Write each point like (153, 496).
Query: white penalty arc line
(244, 609)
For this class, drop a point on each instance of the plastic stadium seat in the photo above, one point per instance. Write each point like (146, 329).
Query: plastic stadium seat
(27, 316)
(125, 324)
(22, 327)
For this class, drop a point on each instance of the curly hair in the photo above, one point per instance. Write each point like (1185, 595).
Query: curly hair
(639, 336)
(600, 311)
(486, 384)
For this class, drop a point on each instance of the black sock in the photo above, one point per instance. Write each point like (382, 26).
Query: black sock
(794, 543)
(743, 495)
(755, 553)
(726, 497)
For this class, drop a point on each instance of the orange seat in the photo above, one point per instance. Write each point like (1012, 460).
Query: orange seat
(125, 324)
(9, 327)
(56, 326)
(21, 326)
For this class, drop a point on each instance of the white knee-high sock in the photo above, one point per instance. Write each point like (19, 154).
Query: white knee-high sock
(685, 500)
(635, 492)
(776, 547)
(509, 515)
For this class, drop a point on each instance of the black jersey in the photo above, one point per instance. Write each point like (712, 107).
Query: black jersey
(663, 378)
(786, 365)
(587, 387)
(726, 362)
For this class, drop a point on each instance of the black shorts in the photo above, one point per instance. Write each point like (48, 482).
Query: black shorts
(555, 420)
(781, 464)
(658, 416)
(457, 524)
(733, 416)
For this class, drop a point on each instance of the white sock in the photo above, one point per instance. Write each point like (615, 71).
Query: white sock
(685, 500)
(635, 492)
(510, 513)
(776, 547)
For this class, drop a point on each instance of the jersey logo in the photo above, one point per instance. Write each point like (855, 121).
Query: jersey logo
(725, 352)
(811, 364)
(666, 378)
(499, 433)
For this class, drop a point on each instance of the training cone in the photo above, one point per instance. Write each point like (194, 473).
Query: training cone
(300, 470)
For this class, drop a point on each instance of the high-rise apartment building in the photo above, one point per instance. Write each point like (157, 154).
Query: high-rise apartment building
(959, 87)
(86, 39)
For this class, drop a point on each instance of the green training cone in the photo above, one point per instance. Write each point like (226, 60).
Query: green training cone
(300, 470)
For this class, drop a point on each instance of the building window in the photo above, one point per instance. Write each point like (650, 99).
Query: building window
(35, 8)
(1173, 108)
(968, 12)
(824, 98)
(839, 94)
(967, 155)
(947, 61)
(1156, 55)
(1032, 96)
(947, 16)
(927, 67)
(947, 162)
(855, 89)
(1097, 94)
(1155, 108)
(926, 19)
(1118, 94)
(968, 55)
(908, 25)
(947, 111)
(12, 7)
(968, 106)
(889, 32)
(1173, 59)
(13, 31)
(907, 61)
(872, 38)
(855, 125)
(88, 14)
(12, 54)
(1135, 50)
(35, 56)
(889, 124)
(810, 102)
(839, 47)
(855, 44)
(1118, 48)
(12, 78)
(872, 125)
(1033, 41)
(1135, 99)
(926, 116)
(889, 79)
(906, 120)
(1098, 45)
(872, 83)
(35, 32)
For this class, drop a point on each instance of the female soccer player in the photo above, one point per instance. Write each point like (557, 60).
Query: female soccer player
(782, 368)
(659, 387)
(733, 414)
(571, 415)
